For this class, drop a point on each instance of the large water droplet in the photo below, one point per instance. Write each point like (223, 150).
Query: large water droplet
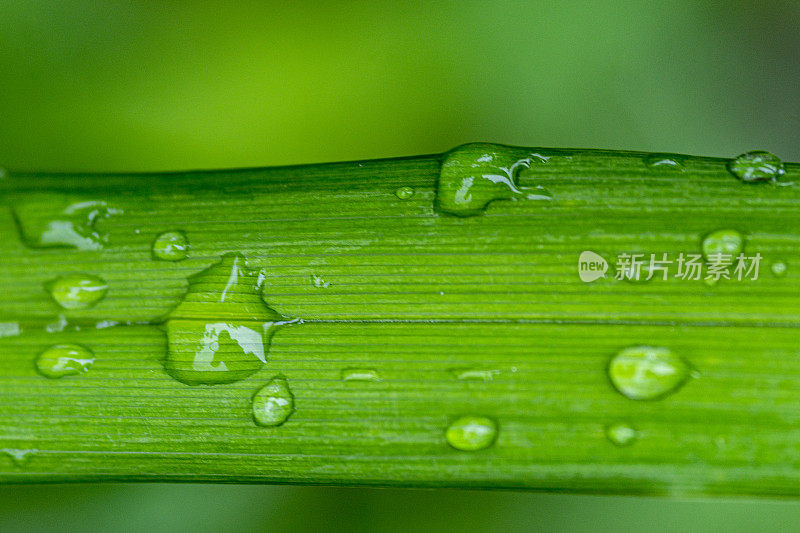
(49, 220)
(475, 175)
(77, 291)
(664, 162)
(647, 372)
(723, 242)
(221, 331)
(404, 193)
(757, 166)
(470, 433)
(622, 434)
(170, 246)
(273, 404)
(360, 374)
(64, 360)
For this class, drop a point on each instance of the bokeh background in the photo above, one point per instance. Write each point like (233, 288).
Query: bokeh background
(147, 85)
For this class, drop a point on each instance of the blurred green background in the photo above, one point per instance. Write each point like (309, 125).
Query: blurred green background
(143, 85)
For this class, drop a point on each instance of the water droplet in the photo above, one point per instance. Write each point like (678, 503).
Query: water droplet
(778, 268)
(77, 291)
(757, 166)
(221, 331)
(621, 434)
(58, 326)
(273, 404)
(647, 372)
(9, 329)
(64, 360)
(170, 246)
(664, 162)
(3, 173)
(723, 242)
(470, 433)
(474, 374)
(360, 374)
(48, 220)
(319, 282)
(19, 456)
(404, 193)
(475, 175)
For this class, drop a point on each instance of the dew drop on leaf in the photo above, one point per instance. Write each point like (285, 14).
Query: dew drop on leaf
(64, 360)
(621, 434)
(647, 372)
(170, 246)
(723, 242)
(471, 433)
(404, 193)
(757, 166)
(77, 291)
(273, 404)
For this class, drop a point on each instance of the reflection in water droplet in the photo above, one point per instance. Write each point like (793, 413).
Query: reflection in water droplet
(221, 331)
(723, 242)
(664, 162)
(64, 360)
(273, 404)
(319, 282)
(621, 434)
(18, 455)
(757, 166)
(474, 374)
(778, 268)
(9, 329)
(77, 291)
(647, 372)
(404, 193)
(170, 246)
(50, 220)
(470, 433)
(475, 175)
(360, 374)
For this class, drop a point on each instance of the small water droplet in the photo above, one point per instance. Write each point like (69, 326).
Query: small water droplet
(9, 329)
(475, 374)
(647, 372)
(664, 162)
(471, 433)
(18, 455)
(221, 331)
(64, 360)
(77, 291)
(273, 404)
(723, 242)
(360, 374)
(319, 282)
(48, 220)
(475, 175)
(778, 268)
(170, 246)
(404, 193)
(621, 434)
(757, 166)
(58, 326)
(3, 173)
